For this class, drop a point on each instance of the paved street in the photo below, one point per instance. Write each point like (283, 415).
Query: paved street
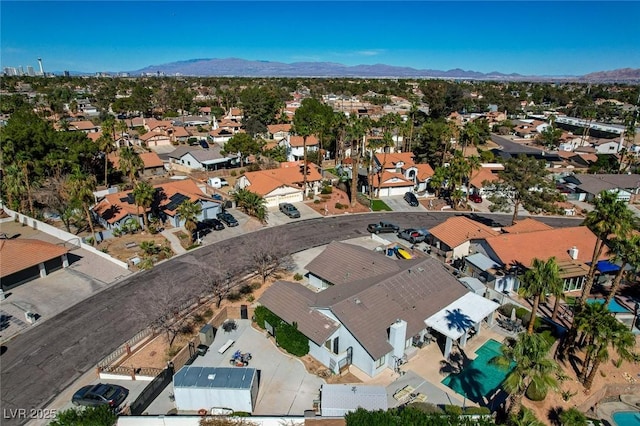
(40, 363)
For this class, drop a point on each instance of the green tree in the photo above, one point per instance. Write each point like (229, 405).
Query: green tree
(573, 417)
(130, 164)
(537, 282)
(550, 136)
(528, 355)
(244, 145)
(101, 415)
(251, 203)
(387, 142)
(626, 251)
(523, 182)
(189, 212)
(307, 121)
(524, 417)
(144, 195)
(609, 218)
(356, 132)
(105, 142)
(260, 104)
(13, 186)
(81, 187)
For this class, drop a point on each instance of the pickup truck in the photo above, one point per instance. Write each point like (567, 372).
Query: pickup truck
(290, 210)
(382, 227)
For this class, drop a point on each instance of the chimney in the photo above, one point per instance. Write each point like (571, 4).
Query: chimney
(398, 337)
(573, 252)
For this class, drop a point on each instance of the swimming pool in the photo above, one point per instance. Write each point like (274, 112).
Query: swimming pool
(627, 418)
(614, 306)
(479, 378)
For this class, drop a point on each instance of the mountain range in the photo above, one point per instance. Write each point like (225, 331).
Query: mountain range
(235, 67)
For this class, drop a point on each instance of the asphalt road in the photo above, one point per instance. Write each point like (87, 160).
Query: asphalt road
(38, 364)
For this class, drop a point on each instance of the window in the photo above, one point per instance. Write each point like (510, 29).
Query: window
(327, 344)
(380, 362)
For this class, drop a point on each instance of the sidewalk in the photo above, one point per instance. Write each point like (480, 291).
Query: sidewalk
(174, 241)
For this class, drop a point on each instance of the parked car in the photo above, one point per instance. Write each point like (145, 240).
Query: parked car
(228, 219)
(203, 143)
(214, 224)
(100, 394)
(475, 198)
(290, 210)
(411, 198)
(413, 235)
(382, 227)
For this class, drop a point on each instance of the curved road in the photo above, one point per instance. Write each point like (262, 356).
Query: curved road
(40, 363)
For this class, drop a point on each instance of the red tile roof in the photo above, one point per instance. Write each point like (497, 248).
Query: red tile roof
(264, 182)
(424, 171)
(460, 229)
(391, 179)
(275, 128)
(21, 254)
(482, 175)
(83, 125)
(393, 158)
(526, 225)
(150, 160)
(523, 248)
(298, 141)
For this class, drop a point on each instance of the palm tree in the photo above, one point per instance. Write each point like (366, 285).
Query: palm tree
(130, 163)
(573, 417)
(13, 186)
(372, 144)
(528, 355)
(105, 144)
(387, 142)
(473, 164)
(437, 180)
(251, 203)
(626, 251)
(610, 218)
(24, 164)
(81, 187)
(537, 282)
(525, 417)
(357, 132)
(189, 212)
(122, 127)
(144, 195)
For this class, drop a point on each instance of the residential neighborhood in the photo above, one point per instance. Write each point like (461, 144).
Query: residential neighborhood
(310, 258)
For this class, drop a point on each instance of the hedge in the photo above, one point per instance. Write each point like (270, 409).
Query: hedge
(287, 336)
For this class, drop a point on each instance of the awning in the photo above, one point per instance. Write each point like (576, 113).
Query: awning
(458, 317)
(604, 267)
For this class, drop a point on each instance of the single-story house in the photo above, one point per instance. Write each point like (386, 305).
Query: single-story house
(84, 126)
(155, 139)
(589, 186)
(284, 184)
(336, 400)
(220, 135)
(197, 388)
(26, 259)
(371, 315)
(153, 165)
(452, 238)
(114, 210)
(572, 247)
(482, 179)
(189, 158)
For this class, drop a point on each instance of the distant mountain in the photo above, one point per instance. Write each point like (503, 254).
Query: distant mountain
(235, 67)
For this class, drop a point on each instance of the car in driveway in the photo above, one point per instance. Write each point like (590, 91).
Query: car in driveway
(475, 198)
(412, 235)
(289, 209)
(382, 227)
(214, 224)
(228, 219)
(100, 394)
(411, 199)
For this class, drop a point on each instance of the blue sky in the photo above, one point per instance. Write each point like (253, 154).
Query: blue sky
(530, 38)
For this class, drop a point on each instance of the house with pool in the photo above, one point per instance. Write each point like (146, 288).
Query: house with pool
(365, 309)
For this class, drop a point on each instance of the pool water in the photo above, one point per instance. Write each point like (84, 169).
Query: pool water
(614, 306)
(479, 378)
(627, 418)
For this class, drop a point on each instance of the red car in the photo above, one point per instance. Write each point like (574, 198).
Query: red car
(475, 198)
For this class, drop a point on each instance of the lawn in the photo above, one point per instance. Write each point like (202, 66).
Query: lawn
(379, 206)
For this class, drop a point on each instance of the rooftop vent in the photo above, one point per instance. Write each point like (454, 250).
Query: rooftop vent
(573, 253)
(211, 376)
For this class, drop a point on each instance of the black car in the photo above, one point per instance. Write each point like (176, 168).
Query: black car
(214, 224)
(228, 219)
(410, 198)
(100, 394)
(203, 144)
(385, 227)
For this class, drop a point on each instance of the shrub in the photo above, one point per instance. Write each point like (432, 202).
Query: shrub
(246, 289)
(340, 206)
(535, 394)
(208, 313)
(233, 173)
(199, 319)
(426, 407)
(316, 201)
(234, 296)
(187, 328)
(573, 417)
(453, 410)
(291, 340)
(506, 309)
(250, 298)
(172, 351)
(326, 190)
(298, 277)
(477, 410)
(256, 285)
(263, 314)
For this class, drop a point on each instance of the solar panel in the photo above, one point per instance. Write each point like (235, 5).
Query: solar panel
(176, 200)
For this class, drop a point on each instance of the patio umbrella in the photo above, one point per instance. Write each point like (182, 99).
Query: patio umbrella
(513, 314)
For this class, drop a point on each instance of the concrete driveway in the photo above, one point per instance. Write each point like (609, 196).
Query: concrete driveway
(398, 204)
(276, 217)
(285, 387)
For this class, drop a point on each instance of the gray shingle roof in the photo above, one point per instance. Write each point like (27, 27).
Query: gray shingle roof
(594, 184)
(343, 263)
(367, 307)
(200, 154)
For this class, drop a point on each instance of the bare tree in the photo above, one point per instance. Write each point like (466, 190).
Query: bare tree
(267, 255)
(214, 279)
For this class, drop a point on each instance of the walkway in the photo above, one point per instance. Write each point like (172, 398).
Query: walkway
(174, 240)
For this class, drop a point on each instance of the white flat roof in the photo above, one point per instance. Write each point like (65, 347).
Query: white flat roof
(455, 319)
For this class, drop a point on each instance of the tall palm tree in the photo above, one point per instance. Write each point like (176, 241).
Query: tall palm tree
(122, 127)
(13, 186)
(144, 195)
(387, 142)
(356, 132)
(189, 212)
(130, 163)
(25, 164)
(610, 218)
(528, 355)
(627, 252)
(473, 164)
(537, 282)
(81, 187)
(105, 144)
(372, 144)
